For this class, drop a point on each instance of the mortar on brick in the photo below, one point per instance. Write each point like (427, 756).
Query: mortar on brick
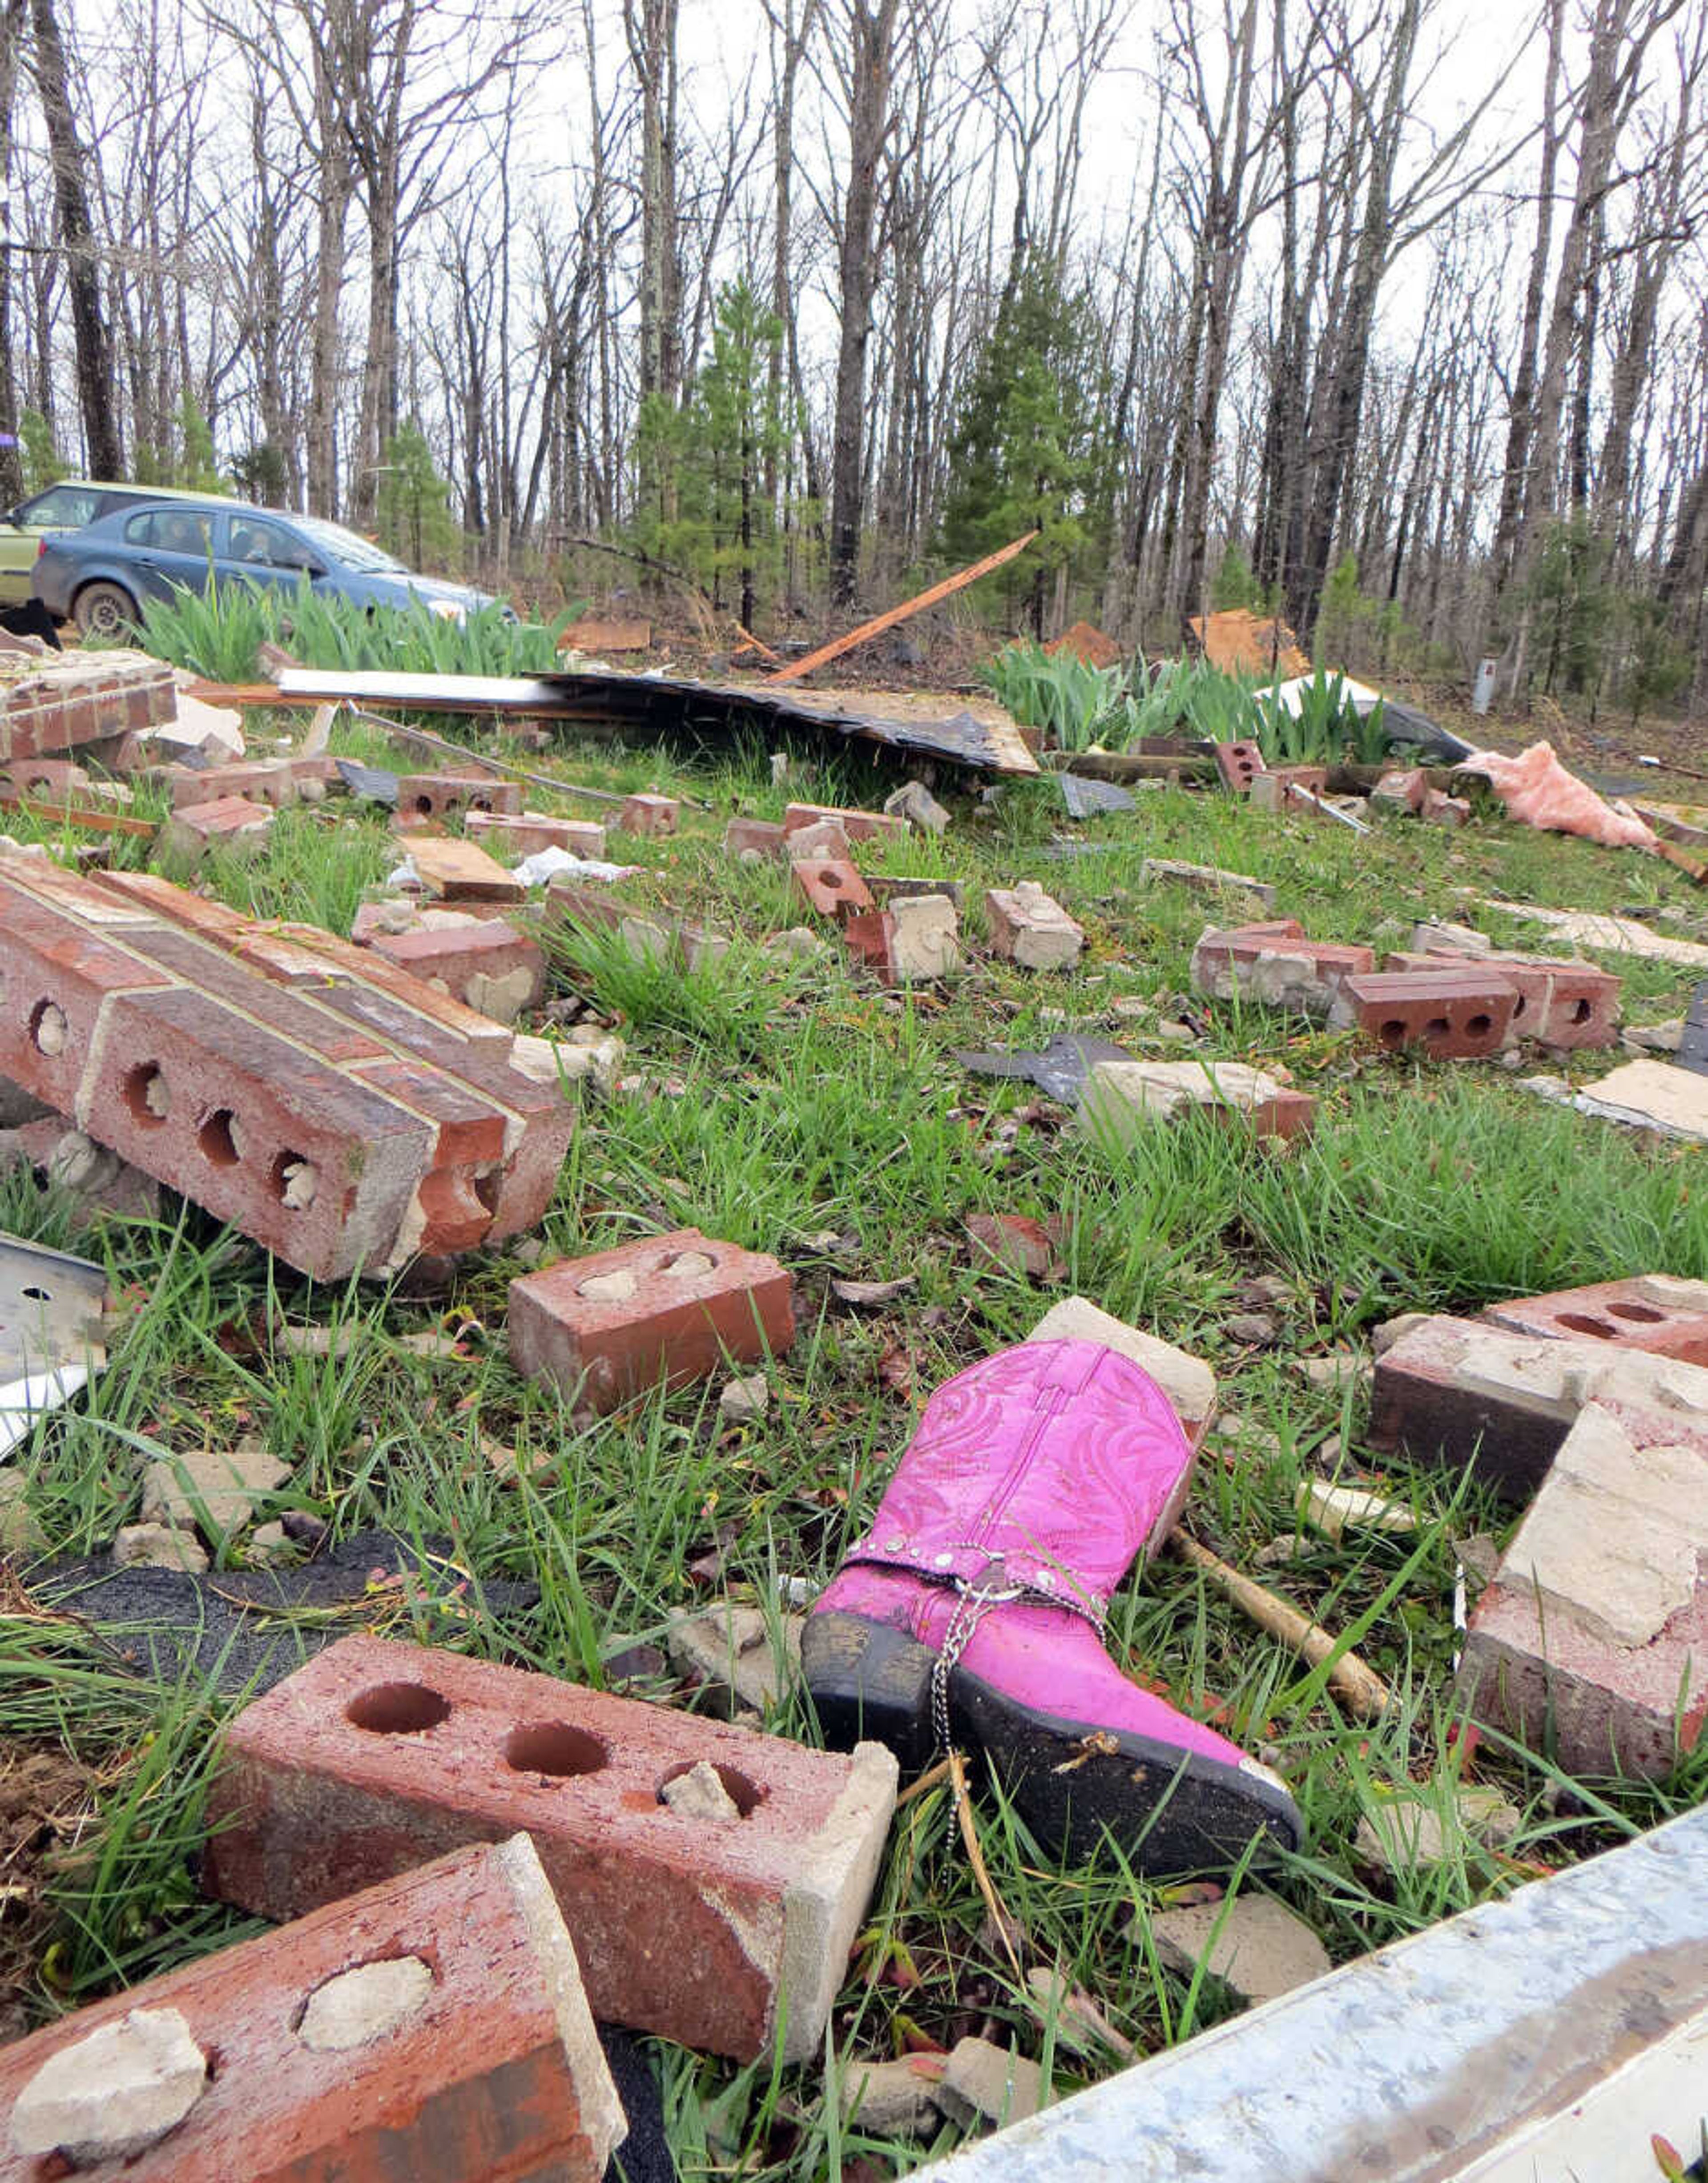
(357, 2007)
(113, 2094)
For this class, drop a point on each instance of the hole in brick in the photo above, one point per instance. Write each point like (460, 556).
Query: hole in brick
(220, 1139)
(1519, 1007)
(1436, 1027)
(423, 804)
(1580, 1322)
(294, 1180)
(1393, 1032)
(145, 1094)
(1580, 1012)
(38, 1296)
(398, 1709)
(48, 1029)
(552, 1746)
(1479, 1026)
(745, 1795)
(1642, 1313)
(489, 1188)
(479, 803)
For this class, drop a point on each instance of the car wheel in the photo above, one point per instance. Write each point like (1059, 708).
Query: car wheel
(104, 610)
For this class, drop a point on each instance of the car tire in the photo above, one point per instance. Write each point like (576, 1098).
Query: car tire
(103, 609)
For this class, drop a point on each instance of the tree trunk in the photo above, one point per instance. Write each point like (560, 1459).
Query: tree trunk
(872, 25)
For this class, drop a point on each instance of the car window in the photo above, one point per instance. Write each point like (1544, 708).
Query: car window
(62, 508)
(171, 531)
(266, 545)
(346, 548)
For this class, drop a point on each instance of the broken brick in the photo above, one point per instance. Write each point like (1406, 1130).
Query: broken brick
(648, 935)
(483, 2061)
(1278, 788)
(1274, 964)
(754, 838)
(1122, 1099)
(1453, 1014)
(650, 814)
(830, 886)
(440, 795)
(526, 833)
(1238, 763)
(487, 964)
(1030, 929)
(376, 1756)
(276, 781)
(228, 822)
(1654, 1312)
(857, 825)
(665, 1308)
(1592, 1641)
(1456, 1392)
(67, 701)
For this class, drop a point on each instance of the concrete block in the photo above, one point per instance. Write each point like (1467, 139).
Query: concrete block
(442, 795)
(857, 825)
(1453, 1391)
(1592, 1641)
(1654, 1312)
(1187, 1380)
(524, 833)
(1454, 1015)
(649, 814)
(1204, 879)
(433, 2025)
(1536, 2039)
(666, 1309)
(1122, 1099)
(830, 886)
(1029, 929)
(376, 1756)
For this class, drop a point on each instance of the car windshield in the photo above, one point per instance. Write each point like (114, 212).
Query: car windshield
(344, 546)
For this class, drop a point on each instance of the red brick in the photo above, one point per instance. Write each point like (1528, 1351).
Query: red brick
(669, 1327)
(437, 795)
(1567, 1005)
(465, 958)
(54, 778)
(55, 977)
(649, 933)
(497, 2077)
(228, 822)
(756, 835)
(376, 1756)
(1591, 1644)
(1274, 964)
(1653, 1312)
(650, 814)
(277, 781)
(831, 886)
(1237, 762)
(1454, 1015)
(870, 940)
(82, 698)
(1279, 788)
(857, 825)
(526, 833)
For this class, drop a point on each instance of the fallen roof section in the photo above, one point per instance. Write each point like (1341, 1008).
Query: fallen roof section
(659, 702)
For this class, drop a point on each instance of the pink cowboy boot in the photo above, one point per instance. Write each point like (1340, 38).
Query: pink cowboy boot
(973, 1609)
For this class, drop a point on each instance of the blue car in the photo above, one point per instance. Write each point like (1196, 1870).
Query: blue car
(103, 576)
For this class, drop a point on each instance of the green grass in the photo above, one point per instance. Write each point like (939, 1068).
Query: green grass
(776, 1100)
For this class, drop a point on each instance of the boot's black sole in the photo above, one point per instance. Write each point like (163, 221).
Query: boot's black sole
(1072, 1782)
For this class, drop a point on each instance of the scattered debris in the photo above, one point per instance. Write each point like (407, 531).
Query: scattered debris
(892, 2099)
(217, 1491)
(915, 802)
(1538, 791)
(879, 622)
(743, 1401)
(1412, 1828)
(1204, 879)
(1360, 1685)
(1122, 1099)
(1254, 1945)
(1060, 1069)
(1029, 929)
(699, 1795)
(982, 2083)
(1336, 1509)
(113, 2093)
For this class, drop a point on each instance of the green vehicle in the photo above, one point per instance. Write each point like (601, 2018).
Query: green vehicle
(66, 506)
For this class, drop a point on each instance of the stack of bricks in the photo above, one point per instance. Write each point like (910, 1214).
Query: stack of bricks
(82, 698)
(857, 825)
(1564, 1004)
(1592, 1640)
(335, 1108)
(526, 833)
(426, 797)
(277, 781)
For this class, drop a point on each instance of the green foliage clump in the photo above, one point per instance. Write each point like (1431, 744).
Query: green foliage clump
(1325, 728)
(259, 475)
(1028, 452)
(1235, 586)
(41, 461)
(413, 507)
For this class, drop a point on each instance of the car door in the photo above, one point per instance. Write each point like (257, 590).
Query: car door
(263, 552)
(170, 549)
(61, 508)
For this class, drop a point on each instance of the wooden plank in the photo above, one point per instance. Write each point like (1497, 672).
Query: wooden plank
(72, 815)
(461, 871)
(880, 623)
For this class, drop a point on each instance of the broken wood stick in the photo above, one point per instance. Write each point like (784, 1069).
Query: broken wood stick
(1362, 1687)
(71, 814)
(880, 623)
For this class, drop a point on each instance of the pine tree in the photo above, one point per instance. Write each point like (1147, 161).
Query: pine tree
(43, 463)
(1028, 452)
(413, 507)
